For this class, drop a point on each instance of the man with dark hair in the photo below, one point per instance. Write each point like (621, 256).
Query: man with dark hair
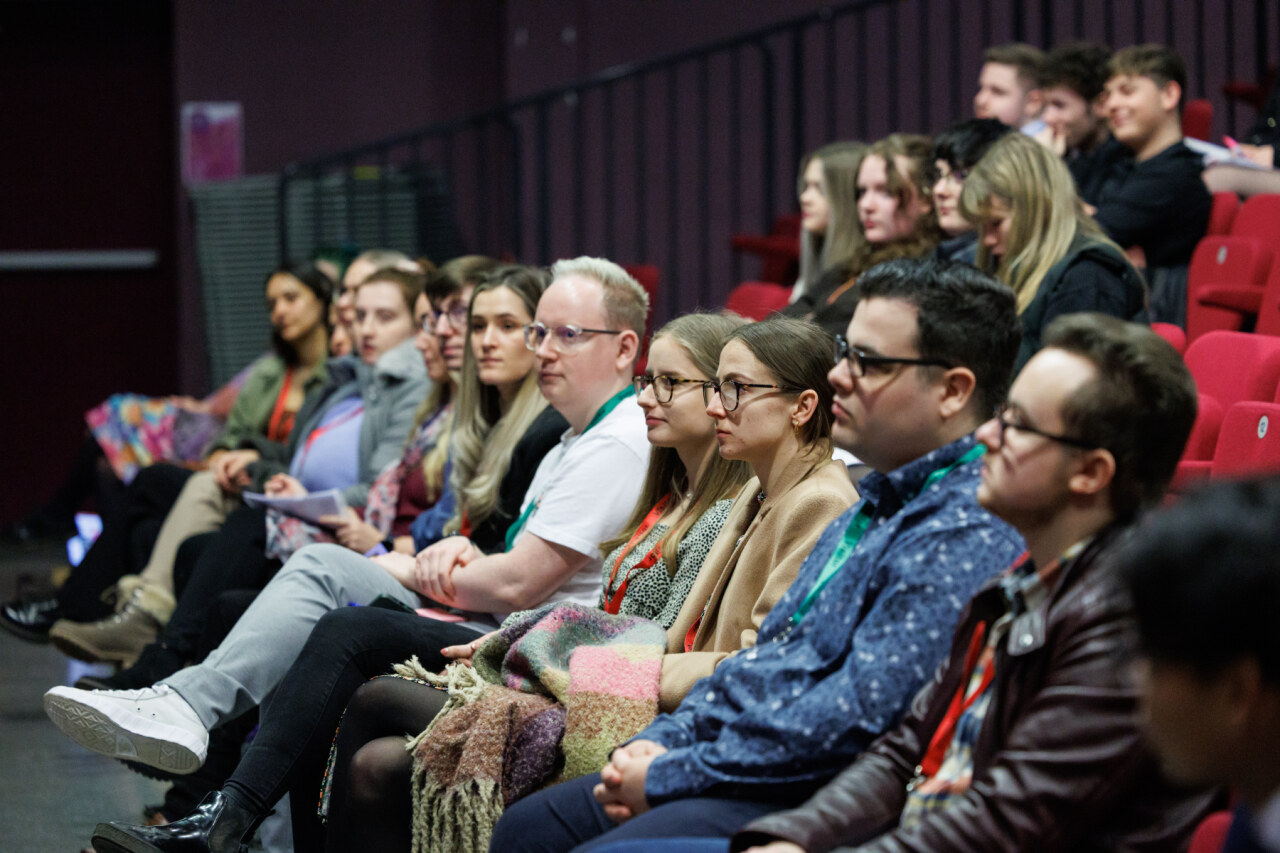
(1153, 197)
(836, 661)
(1075, 82)
(1204, 579)
(1009, 86)
(955, 151)
(1027, 737)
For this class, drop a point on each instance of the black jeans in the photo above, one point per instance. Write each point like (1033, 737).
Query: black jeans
(346, 648)
(230, 558)
(124, 546)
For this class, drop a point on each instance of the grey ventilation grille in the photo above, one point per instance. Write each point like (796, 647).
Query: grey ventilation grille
(237, 240)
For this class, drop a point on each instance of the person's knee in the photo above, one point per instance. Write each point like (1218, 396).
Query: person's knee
(379, 772)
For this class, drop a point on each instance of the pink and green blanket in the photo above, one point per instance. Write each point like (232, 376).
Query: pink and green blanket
(551, 695)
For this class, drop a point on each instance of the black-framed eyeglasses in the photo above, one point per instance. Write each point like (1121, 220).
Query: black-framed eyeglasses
(664, 386)
(730, 391)
(1005, 424)
(859, 360)
(563, 338)
(455, 315)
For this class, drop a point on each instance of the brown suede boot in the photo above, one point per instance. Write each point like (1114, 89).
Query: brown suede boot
(142, 609)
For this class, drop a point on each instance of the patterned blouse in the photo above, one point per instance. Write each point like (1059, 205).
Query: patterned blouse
(654, 593)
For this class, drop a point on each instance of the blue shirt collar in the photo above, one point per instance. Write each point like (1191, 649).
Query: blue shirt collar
(890, 492)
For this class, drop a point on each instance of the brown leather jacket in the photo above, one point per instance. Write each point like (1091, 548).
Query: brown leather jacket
(1060, 763)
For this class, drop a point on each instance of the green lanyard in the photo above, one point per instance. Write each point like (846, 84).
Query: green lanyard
(612, 403)
(858, 526)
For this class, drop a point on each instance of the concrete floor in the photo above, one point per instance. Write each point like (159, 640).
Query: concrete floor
(52, 792)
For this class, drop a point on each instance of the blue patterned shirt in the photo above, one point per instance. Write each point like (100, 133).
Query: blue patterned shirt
(795, 709)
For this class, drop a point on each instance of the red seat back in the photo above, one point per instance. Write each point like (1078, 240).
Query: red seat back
(1220, 268)
(1222, 214)
(1211, 834)
(1204, 433)
(1197, 119)
(1249, 441)
(1268, 322)
(1259, 218)
(1235, 366)
(1172, 334)
(756, 300)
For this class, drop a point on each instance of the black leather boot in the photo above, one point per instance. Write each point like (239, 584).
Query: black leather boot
(218, 825)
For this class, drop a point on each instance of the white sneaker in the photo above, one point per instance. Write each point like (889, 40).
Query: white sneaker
(154, 726)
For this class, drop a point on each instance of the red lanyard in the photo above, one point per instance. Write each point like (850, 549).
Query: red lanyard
(279, 427)
(614, 602)
(946, 730)
(464, 525)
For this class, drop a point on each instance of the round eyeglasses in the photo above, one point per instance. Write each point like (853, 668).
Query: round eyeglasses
(455, 315)
(859, 360)
(664, 386)
(563, 338)
(730, 391)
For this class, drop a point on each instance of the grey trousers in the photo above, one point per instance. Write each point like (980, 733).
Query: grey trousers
(242, 672)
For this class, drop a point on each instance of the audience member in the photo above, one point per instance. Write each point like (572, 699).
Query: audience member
(955, 152)
(351, 430)
(267, 405)
(1153, 199)
(1027, 737)
(839, 657)
(1259, 147)
(586, 338)
(1204, 579)
(1010, 87)
(1037, 239)
(829, 233)
(1075, 111)
(895, 220)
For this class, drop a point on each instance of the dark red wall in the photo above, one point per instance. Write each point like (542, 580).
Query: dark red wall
(86, 92)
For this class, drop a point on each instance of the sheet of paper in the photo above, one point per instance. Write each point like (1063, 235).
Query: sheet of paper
(308, 507)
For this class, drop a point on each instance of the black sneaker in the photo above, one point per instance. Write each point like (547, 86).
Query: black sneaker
(156, 662)
(32, 619)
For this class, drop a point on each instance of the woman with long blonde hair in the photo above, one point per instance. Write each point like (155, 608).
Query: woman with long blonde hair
(1036, 237)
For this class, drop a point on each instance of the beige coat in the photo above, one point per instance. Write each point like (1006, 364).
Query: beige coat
(752, 562)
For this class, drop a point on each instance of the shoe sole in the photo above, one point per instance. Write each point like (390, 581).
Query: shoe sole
(74, 648)
(98, 729)
(24, 633)
(109, 839)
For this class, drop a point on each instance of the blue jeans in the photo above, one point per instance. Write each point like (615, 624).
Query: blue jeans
(567, 817)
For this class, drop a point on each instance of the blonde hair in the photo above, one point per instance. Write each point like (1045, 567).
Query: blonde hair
(1045, 214)
(820, 252)
(483, 437)
(626, 304)
(702, 337)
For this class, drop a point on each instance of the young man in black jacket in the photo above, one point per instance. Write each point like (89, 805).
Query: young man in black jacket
(1153, 197)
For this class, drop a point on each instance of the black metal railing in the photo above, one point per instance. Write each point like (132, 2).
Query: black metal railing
(660, 161)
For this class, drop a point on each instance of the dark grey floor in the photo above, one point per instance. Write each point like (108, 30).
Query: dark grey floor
(52, 792)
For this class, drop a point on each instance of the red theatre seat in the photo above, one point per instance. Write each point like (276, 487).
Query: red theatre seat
(1197, 119)
(1249, 441)
(1222, 214)
(1225, 283)
(756, 300)
(1259, 218)
(1211, 834)
(1235, 366)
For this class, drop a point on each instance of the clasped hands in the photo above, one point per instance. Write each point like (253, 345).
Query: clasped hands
(430, 574)
(621, 788)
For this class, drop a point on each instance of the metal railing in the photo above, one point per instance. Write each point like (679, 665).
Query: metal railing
(660, 161)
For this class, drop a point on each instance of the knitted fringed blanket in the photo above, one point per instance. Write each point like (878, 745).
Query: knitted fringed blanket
(550, 696)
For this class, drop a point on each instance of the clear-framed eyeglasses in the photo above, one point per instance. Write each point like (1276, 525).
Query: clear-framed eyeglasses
(563, 338)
